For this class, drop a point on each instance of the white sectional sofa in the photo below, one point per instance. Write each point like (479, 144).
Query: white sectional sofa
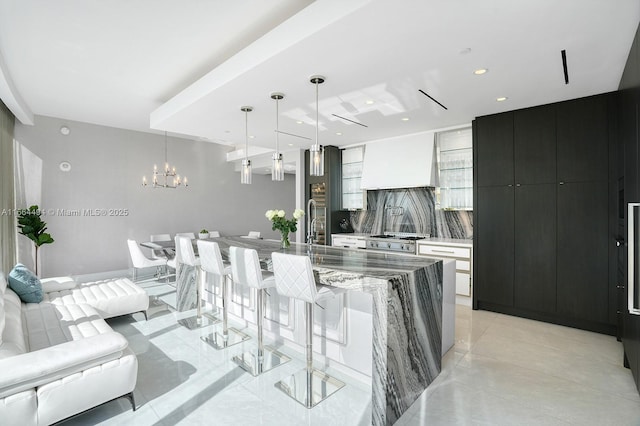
(59, 357)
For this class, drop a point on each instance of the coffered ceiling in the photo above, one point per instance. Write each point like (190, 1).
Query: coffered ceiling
(188, 67)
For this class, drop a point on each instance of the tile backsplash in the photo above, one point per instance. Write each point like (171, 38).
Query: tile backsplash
(410, 210)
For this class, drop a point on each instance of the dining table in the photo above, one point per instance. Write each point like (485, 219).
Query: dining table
(406, 292)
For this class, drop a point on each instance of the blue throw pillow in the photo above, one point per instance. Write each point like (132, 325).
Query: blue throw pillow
(26, 285)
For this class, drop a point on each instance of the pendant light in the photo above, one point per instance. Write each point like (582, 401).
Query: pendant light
(316, 153)
(245, 173)
(277, 168)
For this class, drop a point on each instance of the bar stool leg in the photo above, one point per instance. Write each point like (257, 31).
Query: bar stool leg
(199, 320)
(309, 386)
(230, 336)
(265, 358)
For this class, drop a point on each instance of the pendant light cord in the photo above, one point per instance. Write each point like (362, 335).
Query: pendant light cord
(246, 135)
(277, 126)
(317, 122)
(166, 161)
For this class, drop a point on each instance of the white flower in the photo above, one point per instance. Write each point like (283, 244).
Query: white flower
(270, 214)
(280, 213)
(297, 213)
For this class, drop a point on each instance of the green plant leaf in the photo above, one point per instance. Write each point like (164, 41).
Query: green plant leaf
(44, 239)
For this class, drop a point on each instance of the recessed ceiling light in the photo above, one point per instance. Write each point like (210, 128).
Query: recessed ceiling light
(369, 102)
(501, 99)
(65, 130)
(339, 133)
(290, 144)
(251, 136)
(299, 122)
(480, 71)
(405, 119)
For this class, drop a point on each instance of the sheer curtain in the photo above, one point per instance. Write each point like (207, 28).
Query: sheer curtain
(8, 232)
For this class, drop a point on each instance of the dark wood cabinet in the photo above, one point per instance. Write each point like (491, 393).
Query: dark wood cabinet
(582, 251)
(495, 153)
(534, 145)
(629, 137)
(583, 140)
(493, 234)
(541, 222)
(535, 247)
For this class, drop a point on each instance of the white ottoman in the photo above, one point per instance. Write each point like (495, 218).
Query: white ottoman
(111, 298)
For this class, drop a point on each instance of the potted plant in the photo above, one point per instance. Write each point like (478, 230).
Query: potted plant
(34, 228)
(203, 234)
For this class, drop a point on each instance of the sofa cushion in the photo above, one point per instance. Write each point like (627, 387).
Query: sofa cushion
(13, 341)
(111, 298)
(25, 284)
(47, 324)
(3, 283)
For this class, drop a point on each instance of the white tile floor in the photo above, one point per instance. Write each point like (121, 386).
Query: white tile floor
(502, 371)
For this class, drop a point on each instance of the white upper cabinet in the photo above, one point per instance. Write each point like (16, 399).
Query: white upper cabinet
(400, 162)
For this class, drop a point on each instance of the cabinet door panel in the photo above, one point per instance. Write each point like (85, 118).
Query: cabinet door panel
(494, 149)
(493, 255)
(583, 140)
(535, 145)
(535, 247)
(582, 251)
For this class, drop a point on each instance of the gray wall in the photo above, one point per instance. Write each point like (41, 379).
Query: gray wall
(107, 165)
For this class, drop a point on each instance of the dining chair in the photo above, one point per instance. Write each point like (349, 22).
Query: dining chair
(294, 278)
(159, 254)
(245, 270)
(191, 235)
(211, 262)
(254, 234)
(214, 234)
(140, 261)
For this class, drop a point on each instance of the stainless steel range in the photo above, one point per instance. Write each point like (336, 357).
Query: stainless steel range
(403, 242)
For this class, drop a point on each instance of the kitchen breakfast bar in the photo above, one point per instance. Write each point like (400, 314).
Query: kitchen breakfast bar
(407, 294)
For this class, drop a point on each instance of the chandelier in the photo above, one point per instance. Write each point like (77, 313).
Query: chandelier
(168, 177)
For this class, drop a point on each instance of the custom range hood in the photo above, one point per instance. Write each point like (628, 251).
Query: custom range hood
(401, 162)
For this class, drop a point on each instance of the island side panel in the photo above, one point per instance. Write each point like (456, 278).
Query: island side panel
(414, 337)
(379, 374)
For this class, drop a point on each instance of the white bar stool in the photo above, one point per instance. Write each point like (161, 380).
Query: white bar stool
(211, 261)
(245, 270)
(188, 258)
(294, 278)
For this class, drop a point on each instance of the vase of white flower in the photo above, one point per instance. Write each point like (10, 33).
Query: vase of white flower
(285, 226)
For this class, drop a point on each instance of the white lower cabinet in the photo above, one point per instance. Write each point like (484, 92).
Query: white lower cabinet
(348, 241)
(461, 252)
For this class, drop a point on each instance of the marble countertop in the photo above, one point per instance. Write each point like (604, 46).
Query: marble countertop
(338, 266)
(464, 241)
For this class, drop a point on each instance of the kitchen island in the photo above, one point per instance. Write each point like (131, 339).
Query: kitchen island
(407, 314)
